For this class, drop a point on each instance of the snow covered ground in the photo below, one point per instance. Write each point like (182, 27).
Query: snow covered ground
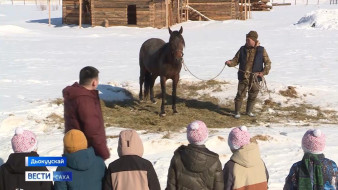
(38, 61)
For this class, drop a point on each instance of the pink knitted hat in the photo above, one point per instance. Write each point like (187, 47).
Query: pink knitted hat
(197, 133)
(314, 141)
(238, 137)
(24, 141)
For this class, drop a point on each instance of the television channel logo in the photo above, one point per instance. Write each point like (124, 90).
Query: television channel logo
(48, 176)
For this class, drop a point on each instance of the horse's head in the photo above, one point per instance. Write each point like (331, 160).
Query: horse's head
(177, 44)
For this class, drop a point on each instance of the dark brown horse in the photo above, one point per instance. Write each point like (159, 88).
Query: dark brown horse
(158, 58)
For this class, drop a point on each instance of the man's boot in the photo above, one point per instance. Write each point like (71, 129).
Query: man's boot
(238, 106)
(249, 108)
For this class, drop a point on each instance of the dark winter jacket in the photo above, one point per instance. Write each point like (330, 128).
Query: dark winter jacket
(87, 169)
(195, 167)
(131, 171)
(251, 60)
(12, 174)
(82, 111)
(246, 170)
(330, 175)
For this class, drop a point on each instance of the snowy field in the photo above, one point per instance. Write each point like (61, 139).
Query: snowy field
(38, 61)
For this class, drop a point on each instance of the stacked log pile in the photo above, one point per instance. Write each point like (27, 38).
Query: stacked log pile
(261, 5)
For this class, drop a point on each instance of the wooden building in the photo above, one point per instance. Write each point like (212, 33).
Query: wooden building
(212, 9)
(146, 13)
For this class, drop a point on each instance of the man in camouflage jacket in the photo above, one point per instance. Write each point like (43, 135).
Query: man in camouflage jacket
(252, 58)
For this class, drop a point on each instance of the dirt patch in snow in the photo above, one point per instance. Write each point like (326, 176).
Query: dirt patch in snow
(192, 105)
(261, 138)
(54, 120)
(289, 92)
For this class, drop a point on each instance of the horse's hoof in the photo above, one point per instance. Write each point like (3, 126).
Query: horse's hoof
(162, 114)
(175, 112)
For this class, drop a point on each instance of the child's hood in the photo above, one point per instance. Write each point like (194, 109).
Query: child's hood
(130, 143)
(81, 160)
(248, 156)
(197, 158)
(16, 163)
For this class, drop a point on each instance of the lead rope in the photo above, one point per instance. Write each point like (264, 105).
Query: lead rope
(187, 69)
(261, 85)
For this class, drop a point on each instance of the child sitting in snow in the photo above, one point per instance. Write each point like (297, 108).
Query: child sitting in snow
(12, 173)
(245, 169)
(87, 169)
(314, 171)
(194, 166)
(130, 171)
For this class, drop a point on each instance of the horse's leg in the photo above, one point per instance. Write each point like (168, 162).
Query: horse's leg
(147, 83)
(153, 78)
(175, 82)
(142, 73)
(163, 80)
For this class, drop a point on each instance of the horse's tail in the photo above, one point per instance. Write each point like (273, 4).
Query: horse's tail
(147, 83)
(143, 70)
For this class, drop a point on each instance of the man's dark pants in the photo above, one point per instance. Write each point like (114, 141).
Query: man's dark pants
(243, 86)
